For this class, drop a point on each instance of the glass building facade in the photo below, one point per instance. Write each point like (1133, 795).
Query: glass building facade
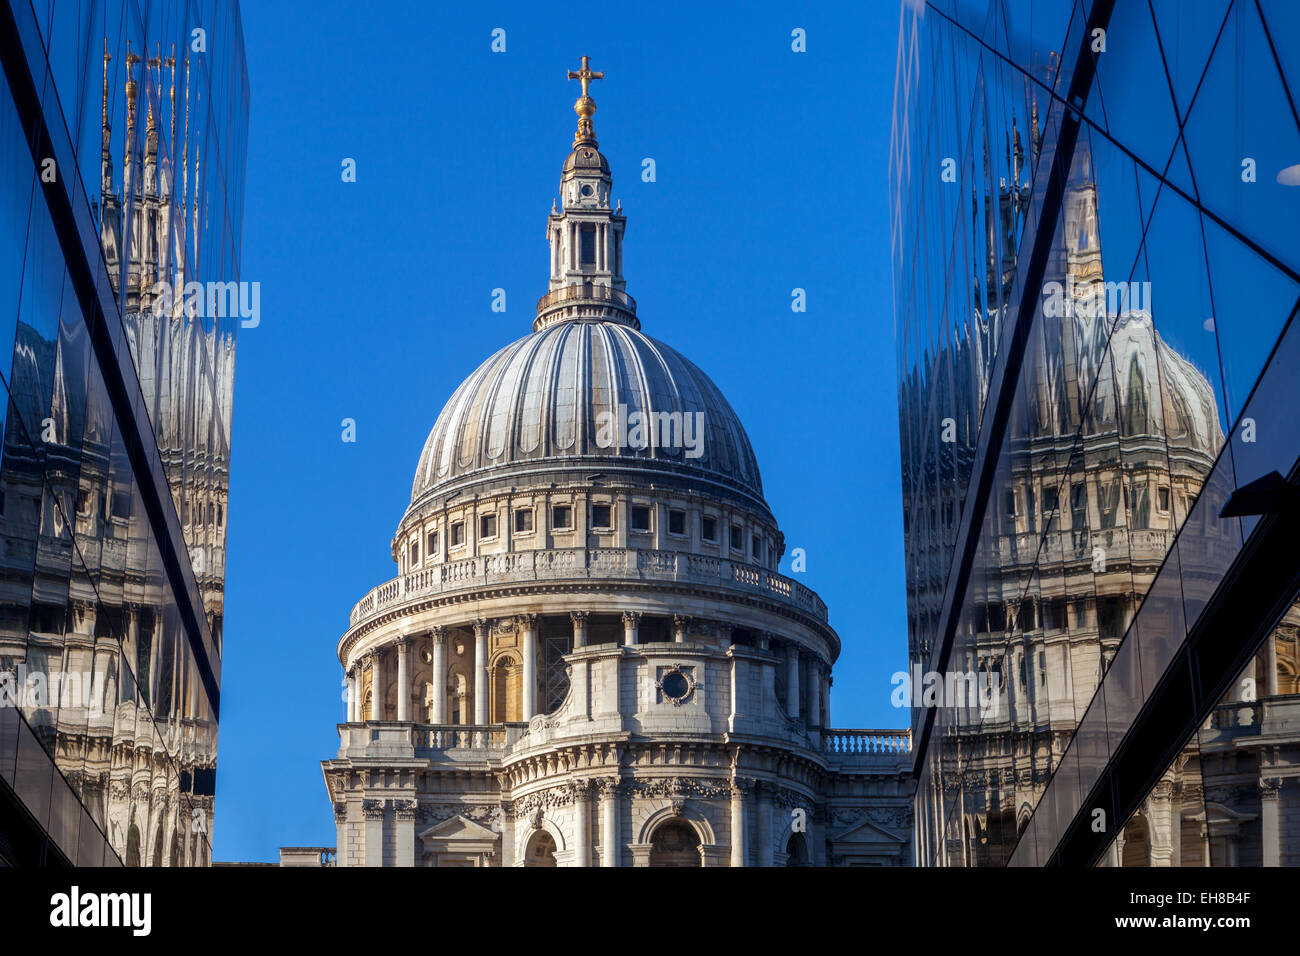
(1096, 281)
(122, 154)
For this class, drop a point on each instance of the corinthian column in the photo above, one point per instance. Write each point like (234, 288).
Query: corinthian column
(792, 680)
(579, 619)
(376, 685)
(631, 620)
(480, 671)
(740, 786)
(814, 693)
(609, 836)
(582, 823)
(530, 666)
(438, 677)
(403, 682)
(680, 622)
(1270, 798)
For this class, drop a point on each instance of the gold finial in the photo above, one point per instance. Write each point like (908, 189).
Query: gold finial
(585, 106)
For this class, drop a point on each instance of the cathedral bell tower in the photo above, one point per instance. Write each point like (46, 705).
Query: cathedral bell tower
(585, 234)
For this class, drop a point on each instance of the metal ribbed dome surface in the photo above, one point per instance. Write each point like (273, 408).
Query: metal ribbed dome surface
(540, 399)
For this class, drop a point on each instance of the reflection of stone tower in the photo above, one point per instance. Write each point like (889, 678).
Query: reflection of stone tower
(185, 366)
(84, 597)
(1115, 439)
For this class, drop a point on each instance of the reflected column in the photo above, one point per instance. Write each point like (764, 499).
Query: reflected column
(1270, 802)
(792, 680)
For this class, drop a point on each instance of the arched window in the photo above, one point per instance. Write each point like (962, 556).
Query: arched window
(506, 677)
(675, 844)
(458, 688)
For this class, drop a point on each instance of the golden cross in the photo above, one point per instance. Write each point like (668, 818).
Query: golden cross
(585, 75)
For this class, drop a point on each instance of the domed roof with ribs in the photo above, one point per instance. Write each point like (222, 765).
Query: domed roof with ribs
(549, 401)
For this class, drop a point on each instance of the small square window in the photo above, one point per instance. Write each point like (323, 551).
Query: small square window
(676, 522)
(1162, 497)
(736, 539)
(415, 553)
(524, 521)
(487, 526)
(433, 544)
(709, 528)
(640, 518)
(121, 504)
(458, 534)
(562, 517)
(600, 516)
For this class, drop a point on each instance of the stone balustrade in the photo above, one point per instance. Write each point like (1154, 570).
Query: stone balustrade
(431, 738)
(399, 739)
(610, 564)
(867, 741)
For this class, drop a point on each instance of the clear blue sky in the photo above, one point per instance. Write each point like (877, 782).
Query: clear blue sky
(771, 175)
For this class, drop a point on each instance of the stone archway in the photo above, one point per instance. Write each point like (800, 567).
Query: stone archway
(540, 851)
(675, 843)
(1137, 850)
(796, 850)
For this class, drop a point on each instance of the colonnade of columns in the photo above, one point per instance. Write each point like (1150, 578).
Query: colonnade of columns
(807, 678)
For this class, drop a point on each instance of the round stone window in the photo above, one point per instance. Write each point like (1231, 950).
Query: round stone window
(586, 189)
(675, 685)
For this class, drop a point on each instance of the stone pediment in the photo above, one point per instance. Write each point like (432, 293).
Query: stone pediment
(458, 829)
(868, 834)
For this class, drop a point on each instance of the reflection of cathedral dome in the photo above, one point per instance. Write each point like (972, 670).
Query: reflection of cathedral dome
(1161, 392)
(545, 401)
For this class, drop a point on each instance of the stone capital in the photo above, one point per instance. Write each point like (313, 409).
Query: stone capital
(608, 787)
(631, 617)
(482, 627)
(372, 809)
(438, 634)
(579, 617)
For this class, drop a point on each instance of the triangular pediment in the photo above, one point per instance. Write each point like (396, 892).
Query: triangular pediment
(458, 828)
(867, 833)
